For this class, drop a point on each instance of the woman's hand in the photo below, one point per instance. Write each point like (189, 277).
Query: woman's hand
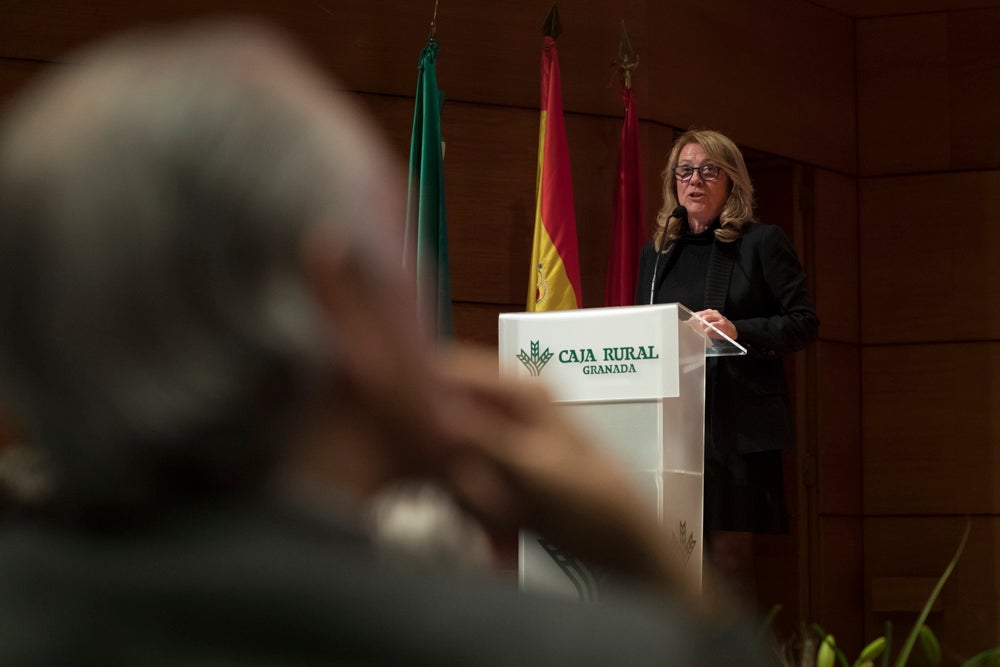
(719, 321)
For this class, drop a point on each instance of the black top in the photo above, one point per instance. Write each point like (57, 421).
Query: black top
(766, 299)
(686, 264)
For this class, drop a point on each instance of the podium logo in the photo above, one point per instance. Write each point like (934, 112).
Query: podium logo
(536, 361)
(685, 541)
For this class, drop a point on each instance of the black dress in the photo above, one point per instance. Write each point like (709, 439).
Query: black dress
(748, 421)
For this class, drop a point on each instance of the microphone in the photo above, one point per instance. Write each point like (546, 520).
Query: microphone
(681, 213)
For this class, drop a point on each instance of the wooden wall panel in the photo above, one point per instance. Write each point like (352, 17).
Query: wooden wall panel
(775, 200)
(781, 74)
(490, 50)
(872, 8)
(490, 166)
(476, 323)
(928, 92)
(363, 41)
(838, 419)
(836, 273)
(928, 257)
(921, 548)
(656, 141)
(393, 116)
(593, 143)
(974, 89)
(929, 101)
(779, 572)
(840, 596)
(902, 88)
(774, 75)
(930, 417)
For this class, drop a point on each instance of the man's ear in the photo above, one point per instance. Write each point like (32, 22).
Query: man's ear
(325, 265)
(351, 300)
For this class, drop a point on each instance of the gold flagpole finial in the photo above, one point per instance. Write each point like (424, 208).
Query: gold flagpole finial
(627, 60)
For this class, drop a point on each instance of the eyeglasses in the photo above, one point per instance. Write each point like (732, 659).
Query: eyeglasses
(708, 172)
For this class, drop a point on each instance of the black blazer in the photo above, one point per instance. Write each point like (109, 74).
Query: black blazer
(747, 407)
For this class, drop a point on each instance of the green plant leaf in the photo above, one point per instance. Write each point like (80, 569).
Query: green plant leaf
(911, 639)
(871, 652)
(888, 644)
(826, 656)
(823, 634)
(931, 646)
(988, 658)
(765, 626)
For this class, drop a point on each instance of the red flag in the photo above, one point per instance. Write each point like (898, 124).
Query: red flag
(628, 231)
(554, 282)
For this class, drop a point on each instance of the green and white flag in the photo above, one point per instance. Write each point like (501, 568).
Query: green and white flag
(426, 246)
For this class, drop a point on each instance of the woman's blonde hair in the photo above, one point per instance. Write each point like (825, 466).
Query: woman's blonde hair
(739, 207)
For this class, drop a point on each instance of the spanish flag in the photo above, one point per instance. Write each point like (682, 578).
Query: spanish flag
(554, 282)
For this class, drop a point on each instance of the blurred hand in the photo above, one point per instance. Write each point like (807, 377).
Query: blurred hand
(513, 460)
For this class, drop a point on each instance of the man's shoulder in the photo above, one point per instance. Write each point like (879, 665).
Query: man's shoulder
(283, 585)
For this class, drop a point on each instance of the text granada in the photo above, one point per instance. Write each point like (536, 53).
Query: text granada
(615, 359)
(608, 369)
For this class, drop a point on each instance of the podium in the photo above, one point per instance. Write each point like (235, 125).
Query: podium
(633, 377)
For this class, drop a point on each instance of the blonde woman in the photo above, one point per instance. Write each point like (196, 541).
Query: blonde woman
(709, 254)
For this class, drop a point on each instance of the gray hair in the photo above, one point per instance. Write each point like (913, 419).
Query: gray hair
(156, 327)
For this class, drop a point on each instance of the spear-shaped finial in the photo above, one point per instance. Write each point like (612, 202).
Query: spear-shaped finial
(434, 20)
(552, 28)
(627, 59)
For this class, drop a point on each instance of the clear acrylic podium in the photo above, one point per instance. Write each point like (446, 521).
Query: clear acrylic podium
(635, 378)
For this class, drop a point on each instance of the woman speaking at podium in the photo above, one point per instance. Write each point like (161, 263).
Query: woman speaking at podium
(743, 277)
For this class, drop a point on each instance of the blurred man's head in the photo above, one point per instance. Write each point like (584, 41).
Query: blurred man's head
(194, 230)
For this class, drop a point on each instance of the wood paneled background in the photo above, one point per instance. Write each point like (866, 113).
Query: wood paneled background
(875, 142)
(929, 209)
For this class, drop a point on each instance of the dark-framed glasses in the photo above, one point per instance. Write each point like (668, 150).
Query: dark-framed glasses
(708, 172)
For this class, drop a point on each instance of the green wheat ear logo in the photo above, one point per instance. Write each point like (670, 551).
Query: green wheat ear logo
(537, 360)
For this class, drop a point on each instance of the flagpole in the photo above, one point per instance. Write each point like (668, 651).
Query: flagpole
(434, 22)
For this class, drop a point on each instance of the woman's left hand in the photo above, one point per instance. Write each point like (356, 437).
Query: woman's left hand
(719, 321)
